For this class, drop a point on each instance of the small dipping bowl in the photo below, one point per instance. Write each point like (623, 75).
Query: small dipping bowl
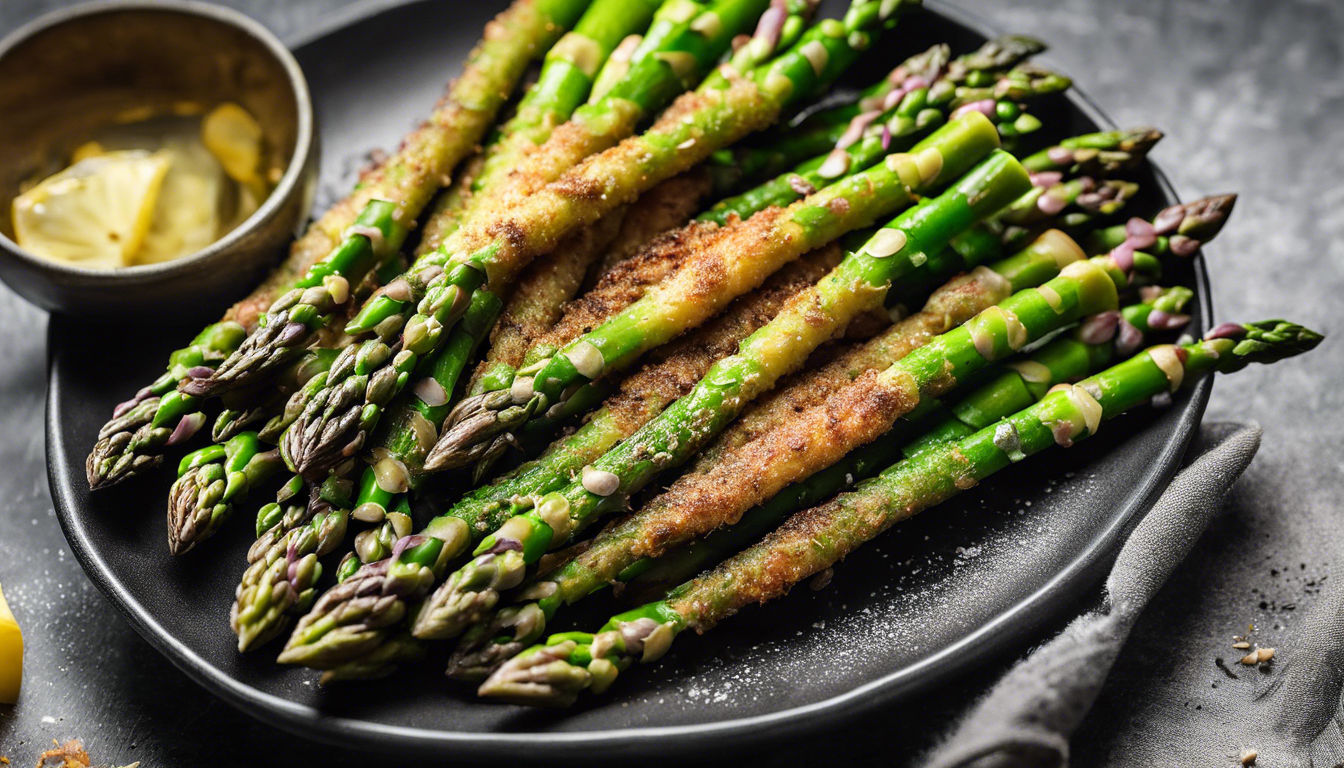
(72, 72)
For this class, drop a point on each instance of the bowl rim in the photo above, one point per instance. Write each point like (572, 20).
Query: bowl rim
(290, 181)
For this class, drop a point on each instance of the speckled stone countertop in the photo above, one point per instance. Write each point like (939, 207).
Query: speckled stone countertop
(1251, 95)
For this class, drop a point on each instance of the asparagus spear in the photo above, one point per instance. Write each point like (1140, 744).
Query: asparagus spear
(975, 69)
(556, 672)
(1088, 349)
(915, 98)
(960, 302)
(341, 240)
(1094, 154)
(858, 284)
(869, 137)
(282, 577)
(666, 207)
(355, 398)
(159, 416)
(735, 261)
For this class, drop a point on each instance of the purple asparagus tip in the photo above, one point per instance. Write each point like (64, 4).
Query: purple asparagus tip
(1060, 155)
(1046, 178)
(1169, 219)
(1226, 331)
(1123, 256)
(186, 428)
(1141, 233)
(1129, 339)
(1099, 328)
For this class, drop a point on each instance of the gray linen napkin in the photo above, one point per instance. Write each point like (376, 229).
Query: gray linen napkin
(1027, 718)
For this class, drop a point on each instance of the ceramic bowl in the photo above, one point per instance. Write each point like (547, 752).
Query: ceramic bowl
(71, 72)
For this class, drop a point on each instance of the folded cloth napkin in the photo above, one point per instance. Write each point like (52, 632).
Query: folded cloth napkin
(1026, 719)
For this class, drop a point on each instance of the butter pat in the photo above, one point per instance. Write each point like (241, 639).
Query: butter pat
(11, 654)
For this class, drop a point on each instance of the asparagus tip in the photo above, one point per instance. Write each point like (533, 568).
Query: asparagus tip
(542, 677)
(1265, 342)
(487, 645)
(464, 598)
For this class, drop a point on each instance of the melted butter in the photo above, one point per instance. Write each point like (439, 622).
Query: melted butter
(148, 190)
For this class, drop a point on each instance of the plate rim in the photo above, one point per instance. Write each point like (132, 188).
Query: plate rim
(1017, 622)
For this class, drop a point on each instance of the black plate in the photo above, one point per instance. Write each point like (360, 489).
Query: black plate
(935, 595)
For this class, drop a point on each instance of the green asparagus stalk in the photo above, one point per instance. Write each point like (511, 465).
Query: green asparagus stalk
(295, 321)
(858, 284)
(539, 299)
(959, 302)
(158, 416)
(343, 239)
(422, 305)
(735, 261)
(212, 480)
(1101, 198)
(1095, 154)
(1089, 348)
(817, 538)
(975, 69)
(904, 112)
(199, 501)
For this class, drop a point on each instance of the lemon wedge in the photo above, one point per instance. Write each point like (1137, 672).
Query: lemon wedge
(95, 213)
(86, 150)
(234, 137)
(188, 214)
(11, 654)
